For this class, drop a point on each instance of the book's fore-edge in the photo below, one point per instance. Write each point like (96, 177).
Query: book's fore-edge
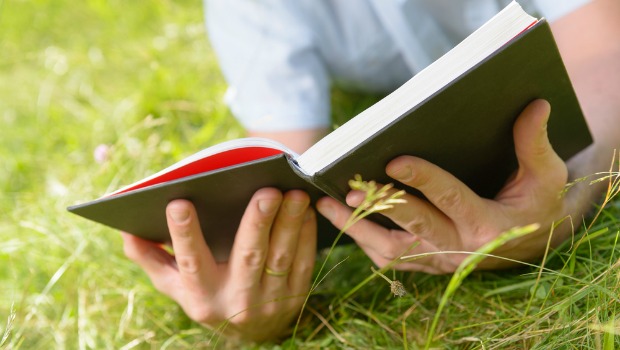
(466, 128)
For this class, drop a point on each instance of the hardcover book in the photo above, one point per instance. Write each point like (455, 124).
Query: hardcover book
(457, 113)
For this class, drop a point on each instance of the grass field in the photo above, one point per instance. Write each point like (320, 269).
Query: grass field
(140, 78)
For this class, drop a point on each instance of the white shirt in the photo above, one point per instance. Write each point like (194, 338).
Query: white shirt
(280, 57)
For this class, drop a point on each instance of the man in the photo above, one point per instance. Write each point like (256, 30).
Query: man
(280, 58)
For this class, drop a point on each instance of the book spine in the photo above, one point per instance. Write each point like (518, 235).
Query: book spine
(315, 181)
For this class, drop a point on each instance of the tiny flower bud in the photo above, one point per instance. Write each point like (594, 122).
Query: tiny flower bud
(397, 288)
(101, 153)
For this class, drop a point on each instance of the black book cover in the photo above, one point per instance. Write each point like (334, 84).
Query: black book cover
(220, 198)
(466, 127)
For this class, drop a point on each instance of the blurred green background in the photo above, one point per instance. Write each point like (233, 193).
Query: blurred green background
(137, 77)
(138, 80)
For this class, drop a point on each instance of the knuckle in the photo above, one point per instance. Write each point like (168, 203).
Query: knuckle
(541, 149)
(280, 260)
(244, 317)
(188, 263)
(202, 313)
(272, 309)
(253, 257)
(294, 303)
(262, 225)
(303, 277)
(419, 225)
(181, 232)
(419, 178)
(390, 252)
(304, 269)
(451, 198)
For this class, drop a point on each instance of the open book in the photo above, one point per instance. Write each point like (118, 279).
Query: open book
(457, 113)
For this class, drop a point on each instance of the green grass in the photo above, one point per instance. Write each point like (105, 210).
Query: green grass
(141, 78)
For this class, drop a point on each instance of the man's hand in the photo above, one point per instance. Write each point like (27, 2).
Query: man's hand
(262, 286)
(456, 219)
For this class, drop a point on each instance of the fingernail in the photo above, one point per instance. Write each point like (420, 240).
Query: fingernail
(268, 206)
(402, 173)
(179, 215)
(294, 208)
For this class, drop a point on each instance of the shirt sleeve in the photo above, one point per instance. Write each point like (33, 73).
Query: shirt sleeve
(277, 79)
(554, 9)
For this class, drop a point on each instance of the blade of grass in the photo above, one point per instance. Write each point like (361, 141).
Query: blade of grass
(468, 265)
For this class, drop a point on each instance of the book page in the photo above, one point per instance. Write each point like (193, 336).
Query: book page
(220, 156)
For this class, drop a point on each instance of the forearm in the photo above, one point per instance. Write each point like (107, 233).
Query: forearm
(589, 40)
(597, 85)
(297, 140)
(598, 88)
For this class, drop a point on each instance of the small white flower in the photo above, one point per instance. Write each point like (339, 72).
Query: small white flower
(101, 153)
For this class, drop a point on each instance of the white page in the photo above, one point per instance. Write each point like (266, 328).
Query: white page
(210, 151)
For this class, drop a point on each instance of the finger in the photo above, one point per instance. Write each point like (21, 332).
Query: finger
(305, 255)
(426, 264)
(284, 236)
(339, 215)
(384, 246)
(156, 262)
(538, 162)
(197, 267)
(389, 244)
(417, 216)
(249, 252)
(453, 198)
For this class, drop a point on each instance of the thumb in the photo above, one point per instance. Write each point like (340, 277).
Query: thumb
(538, 161)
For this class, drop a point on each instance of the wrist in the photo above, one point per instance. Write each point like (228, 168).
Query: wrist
(586, 184)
